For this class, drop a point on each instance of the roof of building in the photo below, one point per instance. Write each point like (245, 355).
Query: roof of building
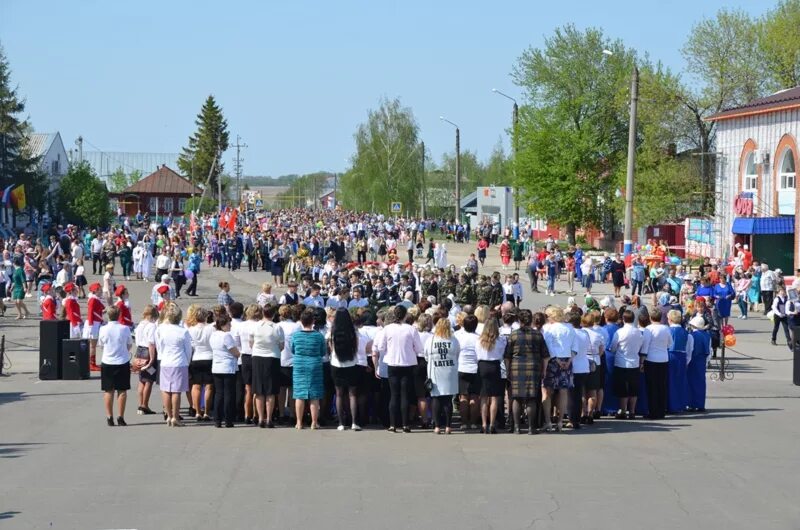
(782, 100)
(164, 180)
(39, 143)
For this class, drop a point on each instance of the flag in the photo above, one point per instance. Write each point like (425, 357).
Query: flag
(232, 220)
(6, 195)
(18, 197)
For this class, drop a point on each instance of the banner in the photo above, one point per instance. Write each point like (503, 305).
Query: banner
(18, 197)
(6, 196)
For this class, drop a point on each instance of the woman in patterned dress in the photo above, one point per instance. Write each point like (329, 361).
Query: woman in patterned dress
(526, 357)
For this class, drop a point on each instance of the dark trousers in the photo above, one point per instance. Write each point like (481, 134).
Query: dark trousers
(637, 287)
(362, 256)
(781, 321)
(192, 289)
(224, 398)
(442, 407)
(656, 376)
(97, 263)
(767, 297)
(576, 396)
(401, 387)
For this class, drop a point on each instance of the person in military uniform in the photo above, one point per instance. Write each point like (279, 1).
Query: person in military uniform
(465, 292)
(484, 291)
(497, 290)
(448, 288)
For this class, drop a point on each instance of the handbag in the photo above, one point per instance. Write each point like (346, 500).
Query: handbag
(428, 384)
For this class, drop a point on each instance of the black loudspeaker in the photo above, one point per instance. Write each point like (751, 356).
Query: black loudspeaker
(51, 333)
(75, 359)
(796, 351)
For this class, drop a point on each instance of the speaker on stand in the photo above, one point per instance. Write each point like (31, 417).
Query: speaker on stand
(51, 335)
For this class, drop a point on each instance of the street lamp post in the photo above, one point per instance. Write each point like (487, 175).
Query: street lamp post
(458, 168)
(514, 132)
(627, 236)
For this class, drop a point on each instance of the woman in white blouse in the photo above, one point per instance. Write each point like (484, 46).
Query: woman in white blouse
(489, 350)
(200, 367)
(223, 367)
(146, 357)
(267, 343)
(174, 347)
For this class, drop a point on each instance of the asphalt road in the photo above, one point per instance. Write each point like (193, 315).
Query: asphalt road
(61, 467)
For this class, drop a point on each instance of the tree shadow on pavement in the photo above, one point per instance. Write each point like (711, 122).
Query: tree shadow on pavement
(15, 450)
(8, 515)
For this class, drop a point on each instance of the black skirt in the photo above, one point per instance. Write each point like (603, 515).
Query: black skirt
(626, 382)
(115, 377)
(349, 377)
(286, 376)
(596, 380)
(266, 376)
(420, 376)
(247, 369)
(200, 373)
(469, 384)
(491, 383)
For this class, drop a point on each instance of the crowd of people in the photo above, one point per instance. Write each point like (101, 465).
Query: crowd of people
(366, 335)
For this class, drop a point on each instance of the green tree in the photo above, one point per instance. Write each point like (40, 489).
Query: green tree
(205, 147)
(498, 168)
(573, 126)
(779, 44)
(473, 172)
(206, 206)
(119, 180)
(83, 198)
(387, 164)
(17, 163)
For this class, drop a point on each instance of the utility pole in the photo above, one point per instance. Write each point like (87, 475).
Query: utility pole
(628, 234)
(237, 168)
(423, 179)
(515, 132)
(458, 175)
(79, 143)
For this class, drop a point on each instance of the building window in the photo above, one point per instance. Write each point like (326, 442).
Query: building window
(153, 204)
(750, 173)
(788, 174)
(168, 205)
(182, 205)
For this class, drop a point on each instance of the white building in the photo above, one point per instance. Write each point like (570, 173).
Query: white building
(757, 155)
(53, 160)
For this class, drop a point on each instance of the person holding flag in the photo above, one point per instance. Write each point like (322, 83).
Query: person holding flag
(94, 319)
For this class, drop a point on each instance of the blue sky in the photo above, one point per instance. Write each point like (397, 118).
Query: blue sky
(296, 78)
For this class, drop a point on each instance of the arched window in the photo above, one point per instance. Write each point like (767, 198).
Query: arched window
(750, 173)
(788, 175)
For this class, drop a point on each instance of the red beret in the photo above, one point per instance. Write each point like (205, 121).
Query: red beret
(163, 289)
(119, 290)
(69, 287)
(93, 288)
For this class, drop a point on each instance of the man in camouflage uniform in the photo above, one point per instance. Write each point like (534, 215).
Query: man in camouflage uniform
(465, 292)
(447, 288)
(497, 290)
(484, 291)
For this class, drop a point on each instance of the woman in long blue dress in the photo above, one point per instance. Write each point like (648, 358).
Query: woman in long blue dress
(308, 348)
(754, 293)
(696, 371)
(677, 384)
(610, 403)
(724, 295)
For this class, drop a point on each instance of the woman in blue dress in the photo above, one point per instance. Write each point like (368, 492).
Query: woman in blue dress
(308, 348)
(677, 386)
(724, 295)
(696, 371)
(610, 403)
(754, 293)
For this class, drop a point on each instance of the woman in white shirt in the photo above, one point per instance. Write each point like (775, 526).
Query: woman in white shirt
(424, 325)
(656, 346)
(489, 351)
(174, 346)
(441, 354)
(581, 369)
(115, 368)
(343, 346)
(268, 341)
(560, 339)
(146, 357)
(200, 330)
(223, 367)
(469, 384)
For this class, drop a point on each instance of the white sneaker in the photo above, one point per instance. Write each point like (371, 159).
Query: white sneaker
(355, 427)
(744, 317)
(340, 428)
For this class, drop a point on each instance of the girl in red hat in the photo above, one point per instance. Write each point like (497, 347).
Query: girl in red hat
(125, 318)
(48, 303)
(94, 319)
(73, 312)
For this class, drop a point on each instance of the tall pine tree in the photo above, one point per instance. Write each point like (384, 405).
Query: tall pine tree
(17, 164)
(209, 141)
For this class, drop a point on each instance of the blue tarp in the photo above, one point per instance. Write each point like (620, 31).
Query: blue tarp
(763, 225)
